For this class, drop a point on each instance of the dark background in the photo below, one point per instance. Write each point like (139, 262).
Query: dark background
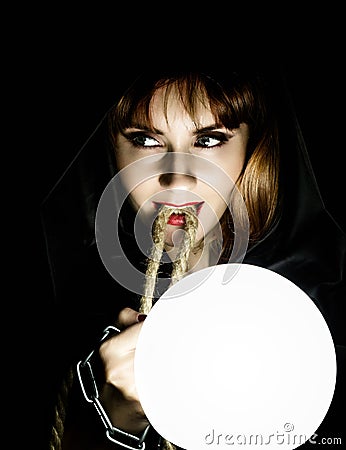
(63, 76)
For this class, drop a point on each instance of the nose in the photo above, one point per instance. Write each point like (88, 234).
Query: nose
(178, 171)
(177, 181)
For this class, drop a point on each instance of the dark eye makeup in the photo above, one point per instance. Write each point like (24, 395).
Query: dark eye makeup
(209, 140)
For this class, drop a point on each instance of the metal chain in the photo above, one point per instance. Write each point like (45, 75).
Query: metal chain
(89, 388)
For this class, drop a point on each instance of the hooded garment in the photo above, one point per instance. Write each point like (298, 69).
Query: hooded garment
(306, 245)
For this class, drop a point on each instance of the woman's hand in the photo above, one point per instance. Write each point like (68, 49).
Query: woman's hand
(119, 395)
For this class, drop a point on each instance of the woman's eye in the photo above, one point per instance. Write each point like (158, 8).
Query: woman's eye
(210, 141)
(143, 140)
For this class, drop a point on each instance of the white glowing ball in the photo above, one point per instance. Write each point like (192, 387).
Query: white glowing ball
(245, 363)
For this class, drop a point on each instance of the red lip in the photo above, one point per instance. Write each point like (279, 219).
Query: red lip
(177, 219)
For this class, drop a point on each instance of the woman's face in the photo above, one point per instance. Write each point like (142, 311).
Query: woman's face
(192, 154)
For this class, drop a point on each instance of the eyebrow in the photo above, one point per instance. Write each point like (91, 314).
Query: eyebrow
(143, 128)
(211, 127)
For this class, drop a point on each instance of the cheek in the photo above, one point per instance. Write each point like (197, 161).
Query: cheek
(213, 209)
(216, 196)
(233, 167)
(142, 193)
(121, 161)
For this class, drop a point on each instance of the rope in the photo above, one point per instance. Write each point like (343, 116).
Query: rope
(60, 411)
(180, 265)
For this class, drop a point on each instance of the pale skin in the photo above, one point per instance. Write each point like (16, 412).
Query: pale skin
(223, 147)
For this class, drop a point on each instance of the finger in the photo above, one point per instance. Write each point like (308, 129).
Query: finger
(128, 317)
(120, 347)
(123, 342)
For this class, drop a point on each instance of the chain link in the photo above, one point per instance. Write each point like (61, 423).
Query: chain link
(89, 388)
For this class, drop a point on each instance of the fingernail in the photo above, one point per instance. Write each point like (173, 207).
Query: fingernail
(141, 317)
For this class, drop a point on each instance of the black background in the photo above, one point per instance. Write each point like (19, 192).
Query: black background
(62, 75)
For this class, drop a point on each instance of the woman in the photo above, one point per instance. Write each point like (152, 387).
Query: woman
(211, 153)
